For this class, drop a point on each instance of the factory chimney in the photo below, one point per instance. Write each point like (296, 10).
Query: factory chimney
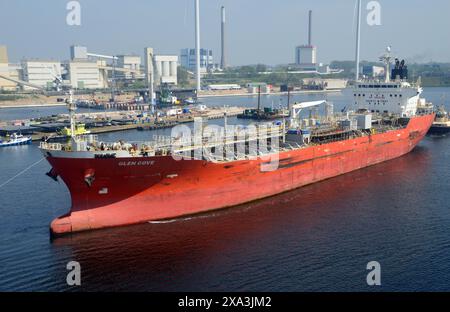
(310, 29)
(223, 63)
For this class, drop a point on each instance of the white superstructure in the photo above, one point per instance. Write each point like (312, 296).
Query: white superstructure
(393, 95)
(397, 97)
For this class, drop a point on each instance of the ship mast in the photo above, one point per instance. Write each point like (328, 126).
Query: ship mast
(197, 46)
(358, 39)
(72, 108)
(387, 59)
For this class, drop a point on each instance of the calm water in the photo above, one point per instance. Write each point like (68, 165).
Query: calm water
(317, 238)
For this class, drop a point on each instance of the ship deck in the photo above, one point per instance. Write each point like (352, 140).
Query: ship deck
(245, 143)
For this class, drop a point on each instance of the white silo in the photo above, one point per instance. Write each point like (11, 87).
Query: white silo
(173, 68)
(165, 69)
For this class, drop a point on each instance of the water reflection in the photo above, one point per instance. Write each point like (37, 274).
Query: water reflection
(177, 255)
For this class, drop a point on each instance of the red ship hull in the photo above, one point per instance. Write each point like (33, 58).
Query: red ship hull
(129, 191)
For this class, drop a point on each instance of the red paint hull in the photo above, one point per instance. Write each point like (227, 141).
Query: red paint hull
(130, 191)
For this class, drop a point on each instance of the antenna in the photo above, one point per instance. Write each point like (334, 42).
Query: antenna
(387, 59)
(358, 39)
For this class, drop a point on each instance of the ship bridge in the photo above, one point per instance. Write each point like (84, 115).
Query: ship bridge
(394, 95)
(397, 97)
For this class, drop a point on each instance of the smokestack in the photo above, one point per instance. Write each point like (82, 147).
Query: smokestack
(310, 29)
(223, 63)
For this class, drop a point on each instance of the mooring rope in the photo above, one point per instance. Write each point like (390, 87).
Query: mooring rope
(20, 173)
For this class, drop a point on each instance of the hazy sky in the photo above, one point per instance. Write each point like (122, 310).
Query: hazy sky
(258, 31)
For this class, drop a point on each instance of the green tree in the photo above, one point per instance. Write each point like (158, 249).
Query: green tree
(183, 76)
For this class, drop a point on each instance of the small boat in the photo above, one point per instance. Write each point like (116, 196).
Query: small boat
(190, 101)
(441, 125)
(16, 139)
(266, 114)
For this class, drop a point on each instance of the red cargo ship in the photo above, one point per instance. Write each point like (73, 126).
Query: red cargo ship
(121, 184)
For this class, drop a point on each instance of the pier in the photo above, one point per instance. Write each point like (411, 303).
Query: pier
(115, 121)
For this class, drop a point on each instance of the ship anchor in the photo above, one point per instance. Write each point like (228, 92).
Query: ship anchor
(89, 177)
(52, 174)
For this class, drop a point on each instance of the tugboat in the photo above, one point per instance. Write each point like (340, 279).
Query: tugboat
(441, 125)
(166, 97)
(16, 139)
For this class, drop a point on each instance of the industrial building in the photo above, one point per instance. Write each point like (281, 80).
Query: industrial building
(166, 69)
(223, 87)
(306, 55)
(324, 69)
(42, 73)
(78, 52)
(159, 69)
(3, 55)
(87, 70)
(188, 60)
(7, 71)
(131, 62)
(324, 84)
(86, 66)
(254, 88)
(86, 74)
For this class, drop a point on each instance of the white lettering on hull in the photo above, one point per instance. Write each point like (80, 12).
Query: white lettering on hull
(136, 163)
